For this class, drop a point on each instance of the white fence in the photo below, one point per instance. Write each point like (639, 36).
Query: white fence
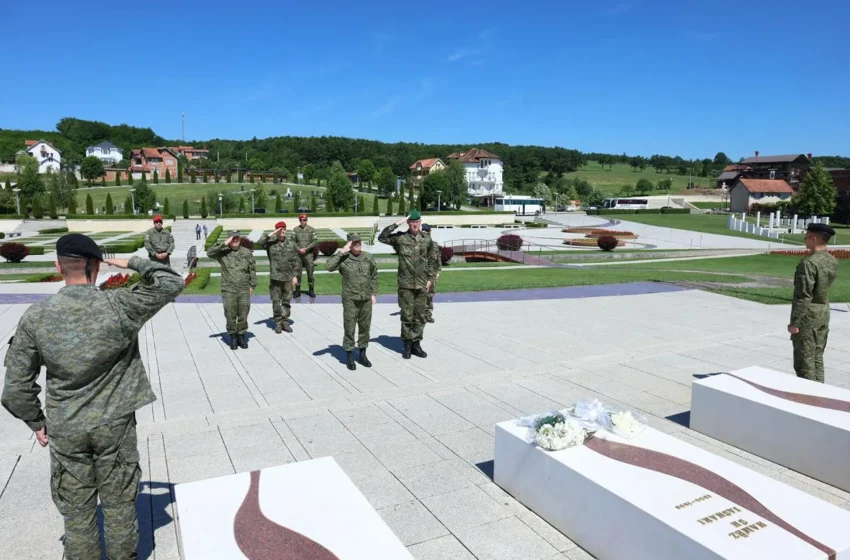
(775, 225)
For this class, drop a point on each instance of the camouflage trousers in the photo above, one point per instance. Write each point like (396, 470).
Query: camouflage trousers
(237, 305)
(281, 294)
(429, 308)
(413, 304)
(356, 315)
(166, 261)
(809, 345)
(99, 463)
(306, 264)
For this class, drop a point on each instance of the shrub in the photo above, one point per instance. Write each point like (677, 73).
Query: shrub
(39, 250)
(37, 210)
(607, 242)
(202, 278)
(212, 238)
(247, 243)
(54, 230)
(185, 208)
(327, 248)
(122, 247)
(14, 252)
(44, 277)
(509, 242)
(2, 235)
(120, 281)
(446, 254)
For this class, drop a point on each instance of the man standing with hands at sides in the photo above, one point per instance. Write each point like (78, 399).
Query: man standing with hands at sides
(88, 341)
(359, 293)
(285, 268)
(809, 325)
(159, 243)
(438, 264)
(238, 281)
(305, 238)
(416, 273)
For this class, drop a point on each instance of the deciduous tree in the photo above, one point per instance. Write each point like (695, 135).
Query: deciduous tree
(91, 169)
(817, 193)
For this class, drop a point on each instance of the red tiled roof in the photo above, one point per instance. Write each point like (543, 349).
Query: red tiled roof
(151, 152)
(766, 186)
(29, 143)
(426, 163)
(790, 158)
(473, 156)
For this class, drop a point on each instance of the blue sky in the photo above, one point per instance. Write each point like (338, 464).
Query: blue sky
(674, 77)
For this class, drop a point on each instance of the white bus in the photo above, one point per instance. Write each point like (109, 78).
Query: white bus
(626, 203)
(520, 205)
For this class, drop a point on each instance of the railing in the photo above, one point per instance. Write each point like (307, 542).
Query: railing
(524, 252)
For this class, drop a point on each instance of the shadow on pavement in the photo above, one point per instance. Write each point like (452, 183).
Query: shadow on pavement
(334, 350)
(393, 343)
(152, 512)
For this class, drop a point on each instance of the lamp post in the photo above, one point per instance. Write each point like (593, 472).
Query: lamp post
(17, 199)
(220, 213)
(133, 200)
(438, 200)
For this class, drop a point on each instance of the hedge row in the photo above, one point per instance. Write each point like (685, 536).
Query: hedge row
(126, 246)
(108, 217)
(202, 278)
(610, 211)
(36, 250)
(212, 238)
(54, 230)
(44, 277)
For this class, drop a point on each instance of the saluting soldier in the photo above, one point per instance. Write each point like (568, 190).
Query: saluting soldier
(305, 237)
(238, 281)
(359, 293)
(159, 243)
(87, 339)
(416, 273)
(809, 325)
(438, 264)
(285, 268)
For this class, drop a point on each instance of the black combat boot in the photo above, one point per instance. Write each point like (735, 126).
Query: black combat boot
(417, 350)
(405, 353)
(286, 327)
(278, 329)
(297, 293)
(243, 341)
(350, 361)
(234, 342)
(364, 361)
(311, 293)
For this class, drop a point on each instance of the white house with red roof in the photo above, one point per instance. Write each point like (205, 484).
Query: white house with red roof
(424, 167)
(48, 157)
(746, 192)
(484, 171)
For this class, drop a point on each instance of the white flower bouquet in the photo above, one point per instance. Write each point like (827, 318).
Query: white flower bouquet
(553, 431)
(623, 423)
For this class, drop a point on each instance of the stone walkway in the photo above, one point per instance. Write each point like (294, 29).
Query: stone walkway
(416, 436)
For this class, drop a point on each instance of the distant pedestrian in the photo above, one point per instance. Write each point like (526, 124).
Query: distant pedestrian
(197, 232)
(809, 324)
(205, 232)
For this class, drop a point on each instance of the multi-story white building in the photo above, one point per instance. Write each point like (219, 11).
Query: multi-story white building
(484, 172)
(107, 152)
(48, 156)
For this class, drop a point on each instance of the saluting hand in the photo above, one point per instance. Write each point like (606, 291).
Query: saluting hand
(346, 248)
(401, 221)
(229, 240)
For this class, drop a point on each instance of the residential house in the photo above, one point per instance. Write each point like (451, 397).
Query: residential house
(424, 167)
(747, 192)
(107, 152)
(190, 152)
(840, 178)
(731, 174)
(789, 168)
(484, 172)
(149, 160)
(49, 158)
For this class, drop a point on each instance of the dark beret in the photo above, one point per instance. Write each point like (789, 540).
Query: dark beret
(822, 229)
(78, 245)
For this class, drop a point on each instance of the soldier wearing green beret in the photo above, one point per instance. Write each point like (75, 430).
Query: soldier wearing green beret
(359, 293)
(809, 325)
(416, 274)
(238, 281)
(87, 339)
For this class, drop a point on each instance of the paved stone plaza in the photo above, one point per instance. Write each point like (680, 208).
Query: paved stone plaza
(415, 436)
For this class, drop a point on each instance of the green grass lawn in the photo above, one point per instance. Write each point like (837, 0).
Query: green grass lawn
(25, 264)
(705, 223)
(709, 205)
(610, 181)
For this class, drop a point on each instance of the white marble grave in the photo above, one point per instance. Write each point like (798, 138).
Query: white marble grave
(800, 424)
(656, 497)
(308, 510)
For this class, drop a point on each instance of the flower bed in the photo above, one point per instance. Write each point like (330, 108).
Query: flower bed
(44, 277)
(189, 277)
(120, 281)
(588, 242)
(840, 254)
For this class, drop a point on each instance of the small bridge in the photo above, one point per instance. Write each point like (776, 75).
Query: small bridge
(490, 250)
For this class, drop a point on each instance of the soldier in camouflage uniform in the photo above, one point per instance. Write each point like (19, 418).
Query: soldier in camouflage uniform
(305, 239)
(87, 339)
(416, 273)
(238, 281)
(438, 263)
(285, 269)
(359, 293)
(809, 325)
(159, 243)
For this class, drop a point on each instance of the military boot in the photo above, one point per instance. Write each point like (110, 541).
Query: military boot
(364, 361)
(405, 353)
(278, 329)
(243, 341)
(286, 327)
(297, 293)
(311, 293)
(233, 342)
(349, 361)
(417, 350)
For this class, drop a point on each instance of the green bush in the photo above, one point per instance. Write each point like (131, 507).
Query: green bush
(212, 238)
(37, 250)
(2, 235)
(125, 246)
(202, 278)
(54, 230)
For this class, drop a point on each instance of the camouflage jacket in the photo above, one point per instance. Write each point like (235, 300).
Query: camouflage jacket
(815, 274)
(415, 257)
(305, 237)
(238, 268)
(359, 275)
(88, 341)
(437, 255)
(283, 257)
(159, 241)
